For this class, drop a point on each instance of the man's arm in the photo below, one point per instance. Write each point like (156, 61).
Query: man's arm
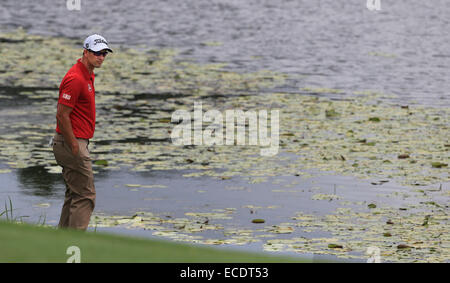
(64, 124)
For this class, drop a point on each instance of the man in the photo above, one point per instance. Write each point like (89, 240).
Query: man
(75, 125)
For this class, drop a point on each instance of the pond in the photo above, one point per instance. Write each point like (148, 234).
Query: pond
(363, 154)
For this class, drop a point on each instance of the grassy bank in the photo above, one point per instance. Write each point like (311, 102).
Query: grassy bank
(27, 243)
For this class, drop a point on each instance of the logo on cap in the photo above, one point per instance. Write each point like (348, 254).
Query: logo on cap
(99, 40)
(92, 41)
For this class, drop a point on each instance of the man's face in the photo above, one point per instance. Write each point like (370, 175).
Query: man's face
(96, 58)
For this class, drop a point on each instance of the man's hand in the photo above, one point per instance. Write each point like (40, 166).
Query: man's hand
(63, 120)
(75, 148)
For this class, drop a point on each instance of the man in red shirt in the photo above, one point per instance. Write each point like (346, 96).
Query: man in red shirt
(75, 126)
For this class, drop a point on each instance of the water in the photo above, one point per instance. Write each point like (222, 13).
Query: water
(37, 196)
(401, 50)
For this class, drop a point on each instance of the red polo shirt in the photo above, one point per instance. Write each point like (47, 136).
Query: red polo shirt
(77, 91)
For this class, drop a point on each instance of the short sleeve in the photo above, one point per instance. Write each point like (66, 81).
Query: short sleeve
(69, 91)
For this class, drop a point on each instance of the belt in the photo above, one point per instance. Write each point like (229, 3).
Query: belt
(60, 137)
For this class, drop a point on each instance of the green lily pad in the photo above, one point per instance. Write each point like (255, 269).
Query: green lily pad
(101, 162)
(438, 164)
(331, 113)
(335, 246)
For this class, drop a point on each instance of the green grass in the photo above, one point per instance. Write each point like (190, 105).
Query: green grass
(29, 243)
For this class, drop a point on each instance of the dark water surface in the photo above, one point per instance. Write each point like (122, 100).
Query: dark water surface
(401, 50)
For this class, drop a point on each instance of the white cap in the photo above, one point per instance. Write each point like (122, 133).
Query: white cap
(96, 43)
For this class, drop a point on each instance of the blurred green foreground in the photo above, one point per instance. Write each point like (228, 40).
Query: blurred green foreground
(27, 243)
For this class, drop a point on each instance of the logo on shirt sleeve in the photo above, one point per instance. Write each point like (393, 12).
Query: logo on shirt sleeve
(66, 96)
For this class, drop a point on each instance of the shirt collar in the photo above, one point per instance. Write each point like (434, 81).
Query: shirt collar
(85, 71)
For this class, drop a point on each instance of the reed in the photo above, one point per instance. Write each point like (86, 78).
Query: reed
(9, 216)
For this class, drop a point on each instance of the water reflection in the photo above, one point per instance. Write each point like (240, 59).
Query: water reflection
(37, 181)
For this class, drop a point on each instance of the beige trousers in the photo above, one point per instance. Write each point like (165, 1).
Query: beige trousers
(79, 199)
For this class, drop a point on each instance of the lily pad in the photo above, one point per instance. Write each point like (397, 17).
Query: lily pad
(335, 246)
(403, 247)
(438, 164)
(101, 162)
